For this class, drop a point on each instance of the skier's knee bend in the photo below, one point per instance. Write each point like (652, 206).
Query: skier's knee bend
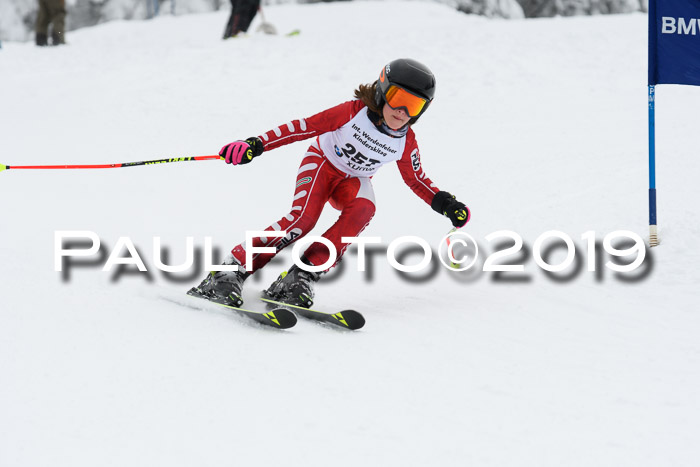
(361, 209)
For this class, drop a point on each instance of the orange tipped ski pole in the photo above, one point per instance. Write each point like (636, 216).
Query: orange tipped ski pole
(111, 166)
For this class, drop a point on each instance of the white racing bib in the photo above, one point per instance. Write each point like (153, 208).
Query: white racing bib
(358, 148)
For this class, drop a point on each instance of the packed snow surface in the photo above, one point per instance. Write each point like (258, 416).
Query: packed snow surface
(537, 125)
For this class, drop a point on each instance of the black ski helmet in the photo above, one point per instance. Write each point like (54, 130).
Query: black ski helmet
(410, 75)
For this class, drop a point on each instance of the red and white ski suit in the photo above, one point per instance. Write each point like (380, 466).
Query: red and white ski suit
(337, 168)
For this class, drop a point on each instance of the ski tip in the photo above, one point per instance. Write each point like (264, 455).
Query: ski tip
(282, 318)
(360, 323)
(350, 319)
(3, 167)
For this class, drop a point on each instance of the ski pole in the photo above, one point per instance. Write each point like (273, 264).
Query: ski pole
(449, 242)
(267, 28)
(111, 166)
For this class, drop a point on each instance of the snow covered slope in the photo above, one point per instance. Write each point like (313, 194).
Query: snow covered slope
(538, 125)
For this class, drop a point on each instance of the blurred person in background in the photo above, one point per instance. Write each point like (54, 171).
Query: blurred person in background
(51, 12)
(242, 14)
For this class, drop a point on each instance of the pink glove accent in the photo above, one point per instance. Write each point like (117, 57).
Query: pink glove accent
(233, 152)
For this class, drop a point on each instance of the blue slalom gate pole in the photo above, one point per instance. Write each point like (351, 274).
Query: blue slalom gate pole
(653, 235)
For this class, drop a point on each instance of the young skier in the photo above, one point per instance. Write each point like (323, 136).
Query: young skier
(352, 140)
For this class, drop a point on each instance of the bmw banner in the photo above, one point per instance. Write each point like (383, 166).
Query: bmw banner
(674, 58)
(674, 42)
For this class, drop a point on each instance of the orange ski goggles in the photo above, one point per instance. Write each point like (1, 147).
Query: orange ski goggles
(398, 98)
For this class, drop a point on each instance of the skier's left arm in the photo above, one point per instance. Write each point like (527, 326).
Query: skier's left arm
(415, 177)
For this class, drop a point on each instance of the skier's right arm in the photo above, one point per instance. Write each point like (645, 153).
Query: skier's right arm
(242, 152)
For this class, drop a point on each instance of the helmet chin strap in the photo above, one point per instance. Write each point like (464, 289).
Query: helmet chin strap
(384, 128)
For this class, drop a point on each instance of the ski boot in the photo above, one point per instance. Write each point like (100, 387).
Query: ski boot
(295, 287)
(57, 38)
(41, 39)
(223, 286)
